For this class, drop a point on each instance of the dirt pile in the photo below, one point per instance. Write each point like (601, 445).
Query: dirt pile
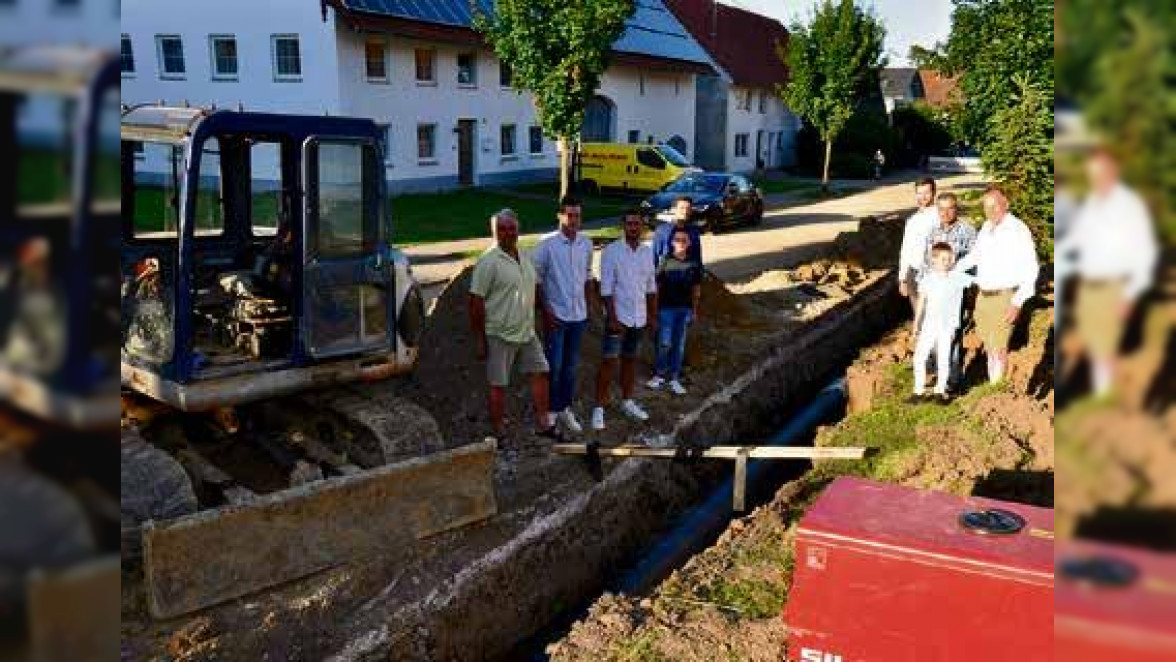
(875, 245)
(726, 602)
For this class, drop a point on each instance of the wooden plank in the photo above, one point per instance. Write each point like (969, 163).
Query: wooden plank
(212, 556)
(724, 452)
(738, 499)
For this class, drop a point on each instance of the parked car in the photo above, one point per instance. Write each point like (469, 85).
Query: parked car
(625, 167)
(719, 199)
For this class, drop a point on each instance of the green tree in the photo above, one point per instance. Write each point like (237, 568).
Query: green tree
(991, 43)
(557, 50)
(1020, 155)
(832, 62)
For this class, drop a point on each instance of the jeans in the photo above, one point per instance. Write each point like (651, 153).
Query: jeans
(671, 340)
(563, 356)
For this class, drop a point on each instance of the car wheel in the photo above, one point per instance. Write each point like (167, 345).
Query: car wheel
(757, 216)
(713, 223)
(590, 187)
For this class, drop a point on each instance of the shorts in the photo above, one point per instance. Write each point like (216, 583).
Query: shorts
(1096, 317)
(991, 325)
(623, 344)
(503, 356)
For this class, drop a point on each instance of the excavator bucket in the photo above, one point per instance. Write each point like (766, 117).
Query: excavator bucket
(199, 560)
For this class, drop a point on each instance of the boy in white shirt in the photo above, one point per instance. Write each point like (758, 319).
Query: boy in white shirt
(937, 317)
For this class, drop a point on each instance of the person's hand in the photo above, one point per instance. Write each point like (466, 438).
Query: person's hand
(1125, 310)
(550, 323)
(482, 349)
(1012, 314)
(903, 288)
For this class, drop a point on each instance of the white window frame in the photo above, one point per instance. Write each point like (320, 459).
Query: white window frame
(278, 76)
(531, 144)
(367, 73)
(514, 142)
(126, 39)
(432, 79)
(473, 83)
(164, 74)
(212, 41)
(432, 158)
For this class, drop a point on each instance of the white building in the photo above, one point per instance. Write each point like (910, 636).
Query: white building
(73, 22)
(743, 125)
(415, 67)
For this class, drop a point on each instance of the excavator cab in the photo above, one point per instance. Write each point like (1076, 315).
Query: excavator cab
(257, 257)
(59, 210)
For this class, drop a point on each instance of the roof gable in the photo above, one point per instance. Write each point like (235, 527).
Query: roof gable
(743, 43)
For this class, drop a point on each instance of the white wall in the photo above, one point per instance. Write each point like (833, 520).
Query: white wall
(91, 23)
(776, 120)
(663, 111)
(252, 22)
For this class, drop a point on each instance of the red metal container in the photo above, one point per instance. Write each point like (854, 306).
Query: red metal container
(1114, 603)
(885, 573)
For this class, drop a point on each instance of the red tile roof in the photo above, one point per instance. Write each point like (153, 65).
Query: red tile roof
(741, 42)
(939, 91)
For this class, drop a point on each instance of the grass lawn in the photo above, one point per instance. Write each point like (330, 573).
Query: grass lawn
(465, 214)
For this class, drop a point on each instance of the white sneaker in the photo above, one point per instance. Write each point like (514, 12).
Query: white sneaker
(655, 383)
(598, 418)
(632, 410)
(677, 388)
(569, 421)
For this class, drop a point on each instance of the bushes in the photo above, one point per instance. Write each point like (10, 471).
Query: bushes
(853, 151)
(919, 131)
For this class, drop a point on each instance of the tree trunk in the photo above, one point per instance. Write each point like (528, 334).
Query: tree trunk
(565, 169)
(828, 158)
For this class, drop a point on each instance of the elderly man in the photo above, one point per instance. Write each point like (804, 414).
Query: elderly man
(502, 301)
(628, 285)
(960, 235)
(1112, 250)
(915, 234)
(1005, 261)
(563, 263)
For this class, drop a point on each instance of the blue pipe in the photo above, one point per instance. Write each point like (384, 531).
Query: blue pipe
(701, 524)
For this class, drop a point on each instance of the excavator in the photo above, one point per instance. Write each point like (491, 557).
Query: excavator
(264, 306)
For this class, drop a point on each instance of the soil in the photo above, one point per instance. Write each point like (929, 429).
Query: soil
(725, 603)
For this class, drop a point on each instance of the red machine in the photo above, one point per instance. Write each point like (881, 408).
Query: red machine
(1114, 603)
(887, 573)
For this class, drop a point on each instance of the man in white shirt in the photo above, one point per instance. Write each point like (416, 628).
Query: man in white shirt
(1112, 249)
(628, 286)
(915, 237)
(563, 264)
(1005, 259)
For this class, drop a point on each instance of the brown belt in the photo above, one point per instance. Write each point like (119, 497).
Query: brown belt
(994, 293)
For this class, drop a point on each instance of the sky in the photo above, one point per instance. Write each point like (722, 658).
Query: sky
(907, 22)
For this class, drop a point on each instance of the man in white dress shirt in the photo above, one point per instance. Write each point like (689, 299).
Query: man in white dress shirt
(563, 263)
(1111, 248)
(1005, 260)
(628, 286)
(915, 236)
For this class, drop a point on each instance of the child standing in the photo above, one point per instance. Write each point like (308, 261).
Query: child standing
(679, 287)
(937, 317)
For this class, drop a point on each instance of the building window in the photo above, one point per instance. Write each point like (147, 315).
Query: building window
(126, 56)
(424, 66)
(741, 141)
(287, 57)
(67, 5)
(536, 139)
(641, 84)
(508, 140)
(634, 137)
(224, 58)
(375, 59)
(426, 142)
(677, 87)
(467, 72)
(505, 74)
(138, 151)
(387, 132)
(171, 56)
(763, 102)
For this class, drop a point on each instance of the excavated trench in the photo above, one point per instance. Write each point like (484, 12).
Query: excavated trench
(503, 603)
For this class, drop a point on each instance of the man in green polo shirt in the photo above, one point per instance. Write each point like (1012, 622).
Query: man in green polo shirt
(502, 316)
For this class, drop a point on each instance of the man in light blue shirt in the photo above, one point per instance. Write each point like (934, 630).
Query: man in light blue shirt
(563, 264)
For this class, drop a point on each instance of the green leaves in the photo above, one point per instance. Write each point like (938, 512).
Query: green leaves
(558, 51)
(1020, 155)
(832, 63)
